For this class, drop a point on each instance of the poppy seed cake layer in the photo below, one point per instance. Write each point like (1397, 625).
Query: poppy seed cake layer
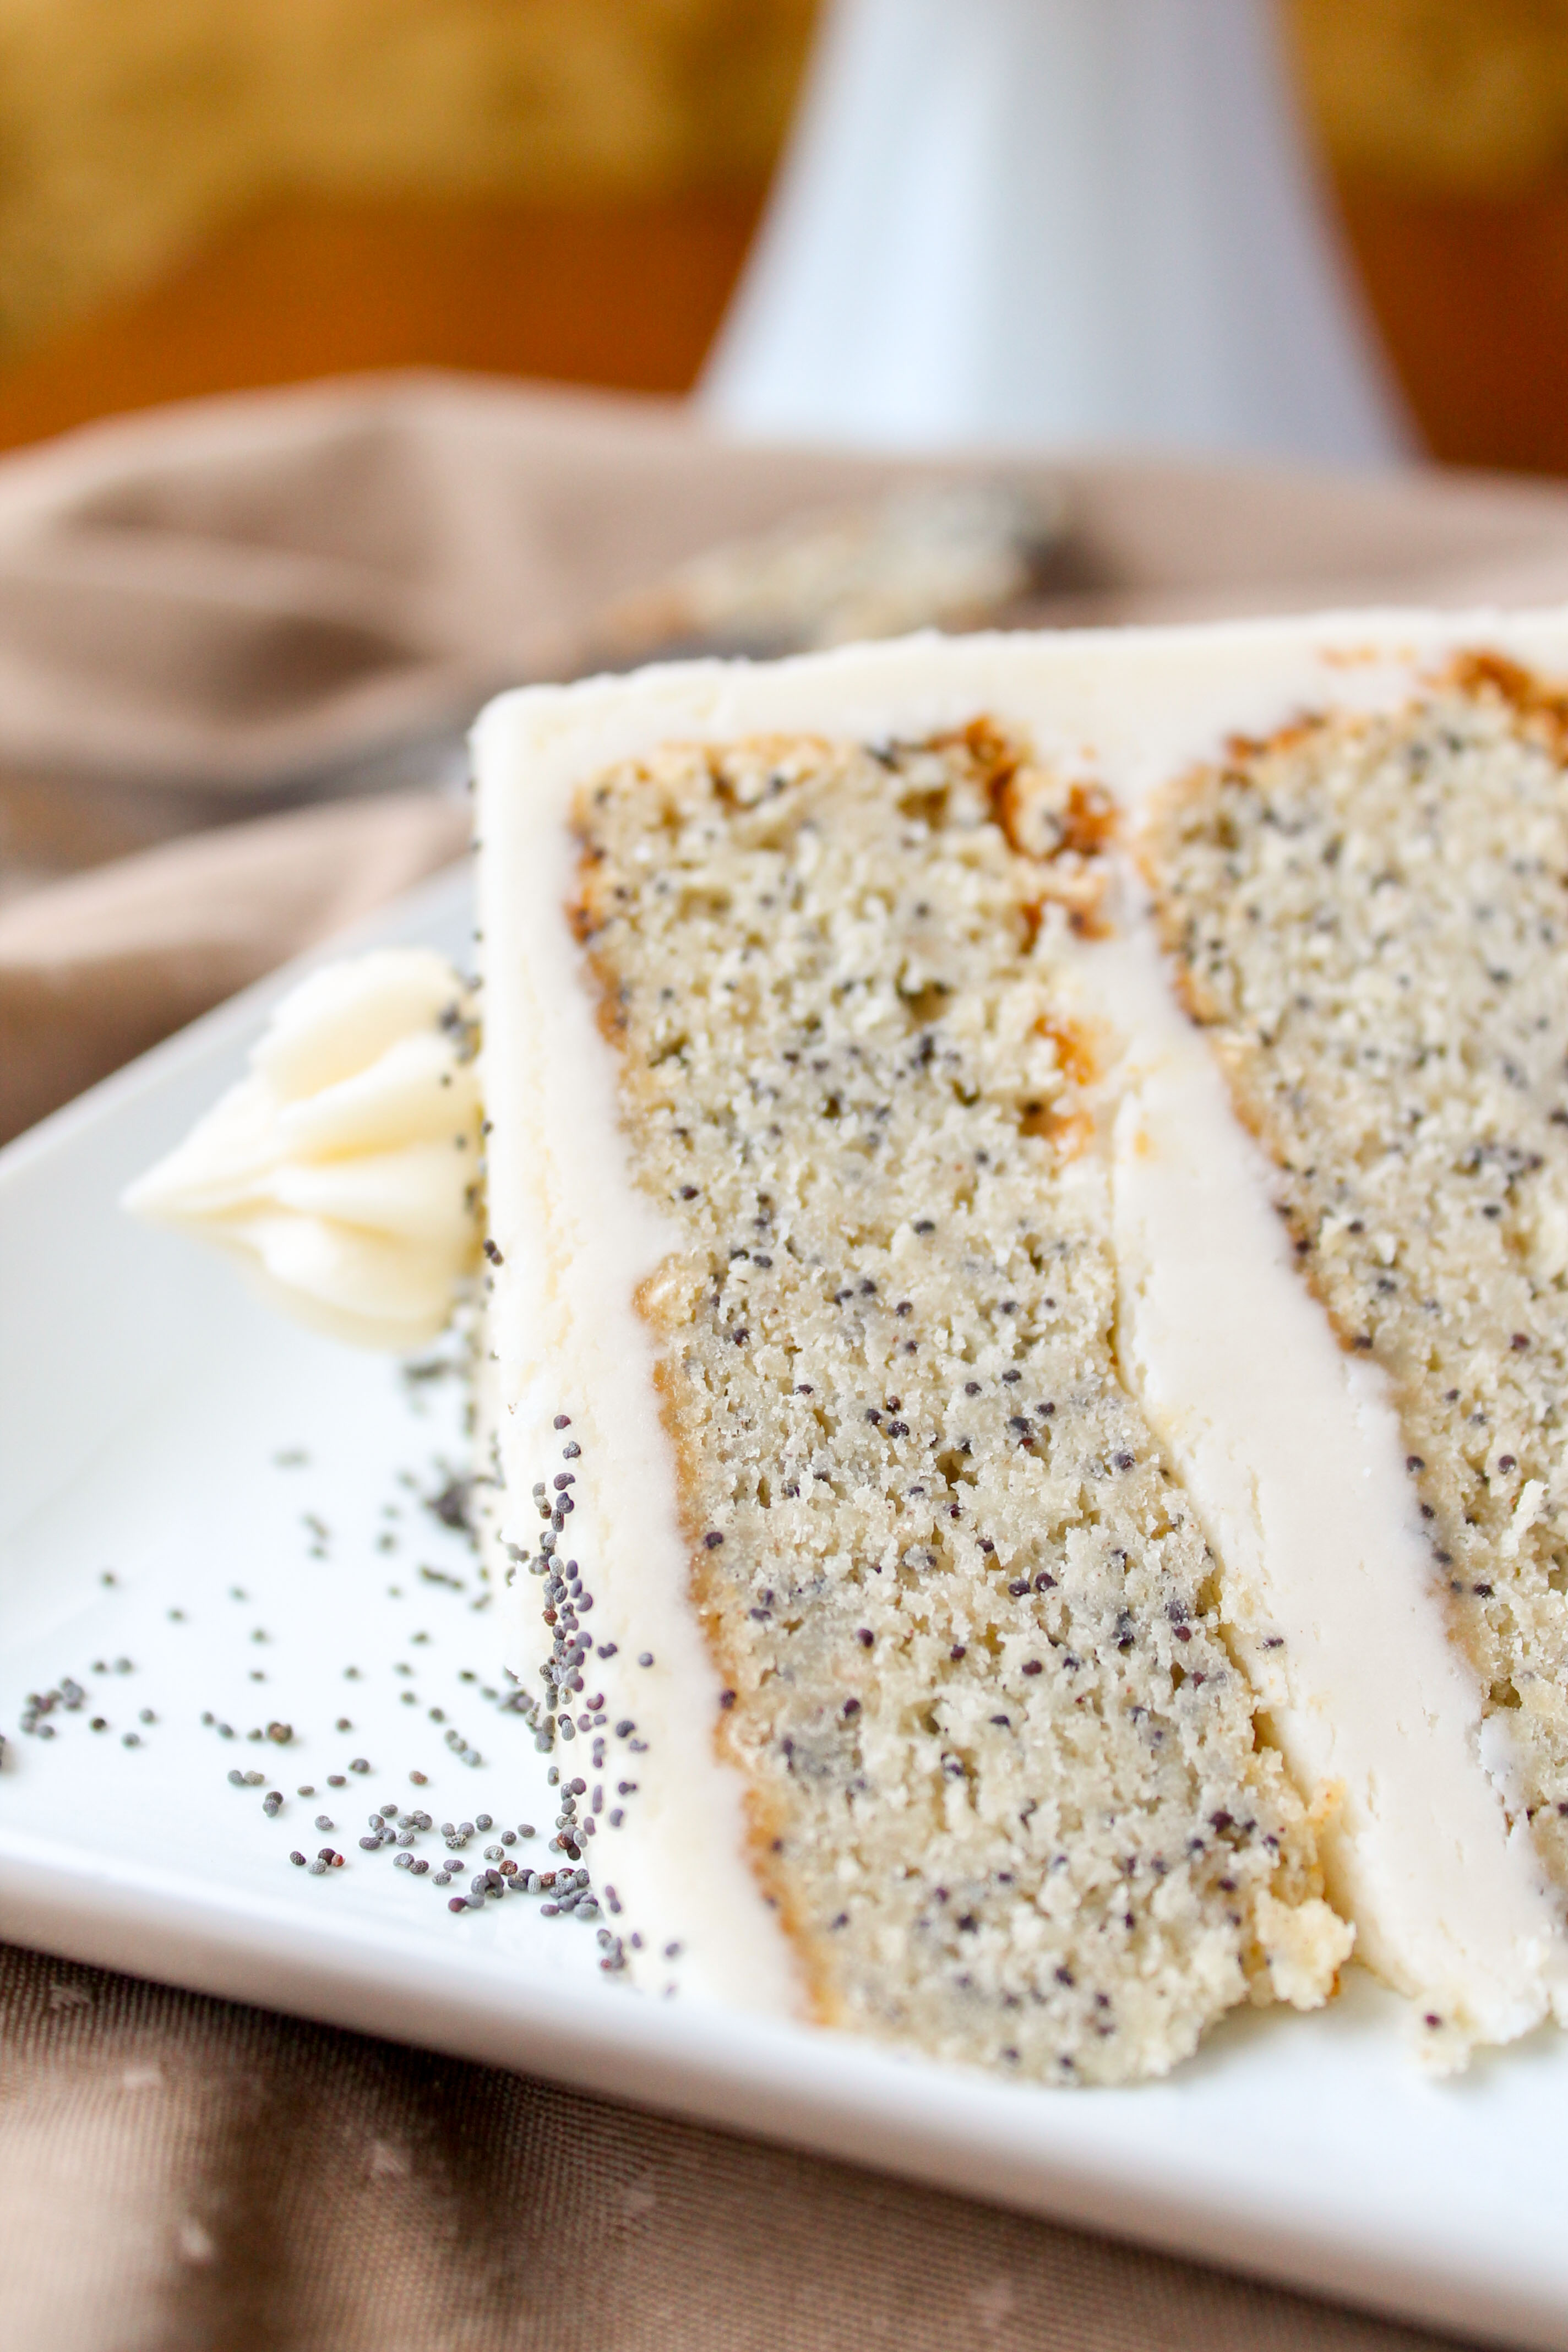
(1001, 1774)
(1371, 917)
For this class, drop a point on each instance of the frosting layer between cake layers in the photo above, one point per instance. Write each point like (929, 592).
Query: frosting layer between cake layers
(1290, 1451)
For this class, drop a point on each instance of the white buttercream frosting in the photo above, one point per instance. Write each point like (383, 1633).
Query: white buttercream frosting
(563, 1335)
(342, 1170)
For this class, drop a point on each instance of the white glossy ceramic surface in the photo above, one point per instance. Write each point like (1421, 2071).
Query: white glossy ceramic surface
(144, 1404)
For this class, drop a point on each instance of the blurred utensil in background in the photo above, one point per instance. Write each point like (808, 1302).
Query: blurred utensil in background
(949, 555)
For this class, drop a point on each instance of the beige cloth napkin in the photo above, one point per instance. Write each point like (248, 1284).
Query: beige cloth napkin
(249, 603)
(244, 605)
(255, 595)
(97, 967)
(177, 2175)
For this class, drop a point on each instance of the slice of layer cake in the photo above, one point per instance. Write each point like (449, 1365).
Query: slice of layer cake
(984, 1587)
(1001, 1779)
(1025, 1335)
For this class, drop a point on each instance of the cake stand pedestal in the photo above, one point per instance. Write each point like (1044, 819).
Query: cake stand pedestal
(1008, 222)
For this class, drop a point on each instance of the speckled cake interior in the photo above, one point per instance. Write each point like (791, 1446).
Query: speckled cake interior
(1001, 1776)
(1371, 917)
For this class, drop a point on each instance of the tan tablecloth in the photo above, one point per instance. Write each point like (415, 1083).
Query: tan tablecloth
(256, 603)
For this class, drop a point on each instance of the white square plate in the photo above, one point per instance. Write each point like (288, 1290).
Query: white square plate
(148, 1414)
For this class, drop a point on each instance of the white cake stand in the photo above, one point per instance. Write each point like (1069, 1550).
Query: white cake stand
(1008, 222)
